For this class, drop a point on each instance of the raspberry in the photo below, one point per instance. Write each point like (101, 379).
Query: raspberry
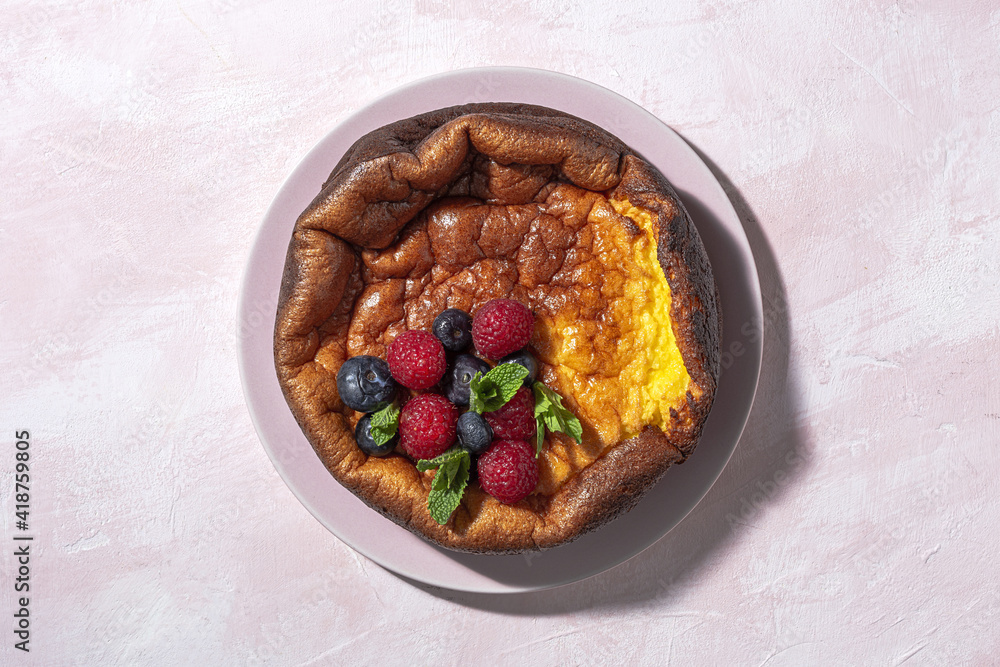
(508, 470)
(416, 359)
(427, 425)
(516, 419)
(502, 326)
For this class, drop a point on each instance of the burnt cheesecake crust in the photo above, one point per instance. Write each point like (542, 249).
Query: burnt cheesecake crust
(462, 205)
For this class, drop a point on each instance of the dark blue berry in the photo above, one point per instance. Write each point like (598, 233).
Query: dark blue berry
(365, 384)
(474, 433)
(363, 434)
(453, 327)
(455, 382)
(526, 359)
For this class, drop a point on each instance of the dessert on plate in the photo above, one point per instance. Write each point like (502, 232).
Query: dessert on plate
(563, 253)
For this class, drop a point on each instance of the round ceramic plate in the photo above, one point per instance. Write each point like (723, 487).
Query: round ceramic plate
(667, 503)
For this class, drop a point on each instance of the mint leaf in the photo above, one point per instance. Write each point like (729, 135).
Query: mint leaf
(449, 482)
(492, 391)
(384, 424)
(549, 409)
(452, 454)
(539, 434)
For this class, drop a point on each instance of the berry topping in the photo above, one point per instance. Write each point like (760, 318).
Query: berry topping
(427, 425)
(508, 470)
(526, 359)
(367, 444)
(455, 383)
(416, 359)
(516, 419)
(365, 384)
(502, 326)
(474, 433)
(453, 327)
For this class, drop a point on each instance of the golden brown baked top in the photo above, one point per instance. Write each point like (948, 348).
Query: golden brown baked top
(467, 204)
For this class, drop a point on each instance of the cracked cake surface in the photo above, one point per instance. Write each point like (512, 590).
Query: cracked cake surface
(456, 207)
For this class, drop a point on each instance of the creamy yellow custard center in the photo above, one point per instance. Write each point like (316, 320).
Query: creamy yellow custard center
(641, 375)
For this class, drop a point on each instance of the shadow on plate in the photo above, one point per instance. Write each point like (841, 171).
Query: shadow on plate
(771, 455)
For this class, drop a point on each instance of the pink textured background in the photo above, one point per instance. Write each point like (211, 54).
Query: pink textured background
(140, 144)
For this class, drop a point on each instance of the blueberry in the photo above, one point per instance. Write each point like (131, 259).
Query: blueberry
(474, 434)
(455, 382)
(363, 434)
(453, 327)
(365, 384)
(526, 359)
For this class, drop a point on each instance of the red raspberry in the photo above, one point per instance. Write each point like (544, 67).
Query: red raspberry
(427, 425)
(508, 470)
(502, 326)
(516, 419)
(416, 359)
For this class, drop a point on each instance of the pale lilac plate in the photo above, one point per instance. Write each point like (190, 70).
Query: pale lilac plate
(667, 503)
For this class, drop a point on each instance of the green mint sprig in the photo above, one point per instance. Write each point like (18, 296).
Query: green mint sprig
(384, 424)
(550, 414)
(449, 482)
(491, 391)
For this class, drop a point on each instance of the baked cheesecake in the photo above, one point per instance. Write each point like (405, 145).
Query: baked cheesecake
(461, 206)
